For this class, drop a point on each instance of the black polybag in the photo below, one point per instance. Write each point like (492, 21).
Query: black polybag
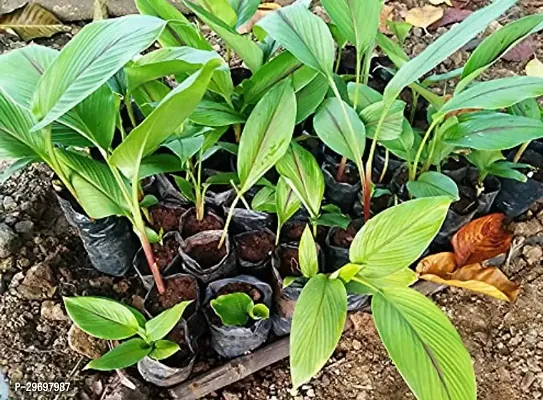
(261, 269)
(341, 194)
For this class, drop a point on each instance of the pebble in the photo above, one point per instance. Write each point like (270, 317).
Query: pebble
(8, 203)
(24, 227)
(38, 284)
(357, 345)
(7, 264)
(527, 381)
(9, 241)
(53, 311)
(84, 344)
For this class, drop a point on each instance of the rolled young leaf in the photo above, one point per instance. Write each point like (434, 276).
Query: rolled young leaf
(317, 323)
(267, 134)
(309, 262)
(244, 9)
(163, 349)
(158, 327)
(122, 356)
(89, 60)
(102, 318)
(384, 250)
(286, 202)
(424, 345)
(432, 183)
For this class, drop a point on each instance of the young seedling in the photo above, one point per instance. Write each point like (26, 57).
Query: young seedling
(235, 309)
(494, 163)
(107, 319)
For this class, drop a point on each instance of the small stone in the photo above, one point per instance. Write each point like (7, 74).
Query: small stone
(9, 204)
(9, 241)
(39, 283)
(357, 345)
(53, 311)
(121, 287)
(23, 262)
(310, 393)
(417, 32)
(84, 344)
(24, 227)
(533, 255)
(7, 264)
(527, 381)
(230, 396)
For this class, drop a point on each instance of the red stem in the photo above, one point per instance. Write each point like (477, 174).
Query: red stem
(147, 249)
(367, 196)
(341, 169)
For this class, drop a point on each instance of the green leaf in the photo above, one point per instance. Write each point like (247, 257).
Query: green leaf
(98, 192)
(333, 220)
(496, 45)
(101, 49)
(244, 9)
(122, 356)
(159, 164)
(443, 47)
(366, 95)
(259, 311)
(310, 97)
(484, 159)
(395, 238)
(304, 35)
(162, 324)
(340, 40)
(392, 126)
(333, 128)
(162, 122)
(248, 50)
(358, 21)
(433, 183)
(212, 113)
(185, 187)
(264, 200)
(286, 201)
(233, 309)
(300, 170)
(179, 31)
(152, 236)
(507, 170)
(400, 30)
(102, 318)
(309, 262)
(148, 95)
(494, 131)
(495, 94)
(394, 52)
(185, 147)
(424, 345)
(266, 134)
(221, 9)
(139, 316)
(148, 200)
(406, 145)
(163, 349)
(317, 324)
(526, 108)
(367, 286)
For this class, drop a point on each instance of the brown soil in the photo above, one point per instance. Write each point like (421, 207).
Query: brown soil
(254, 246)
(166, 217)
(288, 261)
(344, 237)
(191, 226)
(350, 176)
(241, 287)
(165, 253)
(207, 254)
(178, 289)
(293, 229)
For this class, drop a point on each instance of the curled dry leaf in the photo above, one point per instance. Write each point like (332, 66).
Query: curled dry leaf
(387, 14)
(447, 97)
(481, 239)
(263, 10)
(442, 268)
(534, 68)
(451, 16)
(521, 52)
(32, 21)
(423, 17)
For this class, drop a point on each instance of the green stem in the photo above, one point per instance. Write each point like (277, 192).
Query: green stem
(278, 234)
(228, 220)
(413, 106)
(338, 60)
(314, 226)
(521, 151)
(358, 76)
(367, 63)
(413, 175)
(247, 206)
(130, 111)
(385, 166)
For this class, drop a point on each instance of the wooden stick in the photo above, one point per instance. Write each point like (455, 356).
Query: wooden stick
(242, 367)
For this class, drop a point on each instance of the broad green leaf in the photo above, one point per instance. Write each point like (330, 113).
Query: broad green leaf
(101, 49)
(101, 317)
(148, 95)
(264, 200)
(400, 30)
(484, 159)
(221, 9)
(301, 171)
(526, 108)
(304, 35)
(185, 147)
(424, 345)
(233, 309)
(340, 40)
(310, 97)
(185, 187)
(248, 50)
(244, 9)
(259, 311)
(358, 21)
(505, 169)
(392, 126)
(333, 122)
(98, 192)
(443, 47)
(495, 131)
(332, 220)
(394, 52)
(159, 164)
(395, 238)
(16, 166)
(317, 324)
(162, 122)
(16, 141)
(158, 327)
(402, 278)
(406, 145)
(431, 184)
(266, 135)
(496, 45)
(212, 113)
(366, 95)
(122, 356)
(499, 93)
(163, 349)
(309, 262)
(148, 200)
(139, 316)
(286, 201)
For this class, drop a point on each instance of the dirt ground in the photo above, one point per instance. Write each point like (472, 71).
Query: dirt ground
(505, 340)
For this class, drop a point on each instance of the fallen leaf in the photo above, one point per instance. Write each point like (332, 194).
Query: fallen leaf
(534, 68)
(437, 264)
(385, 16)
(451, 16)
(32, 21)
(423, 17)
(100, 10)
(438, 2)
(521, 52)
(263, 10)
(481, 239)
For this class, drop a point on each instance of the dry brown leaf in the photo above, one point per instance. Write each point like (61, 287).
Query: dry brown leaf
(438, 2)
(32, 21)
(263, 10)
(387, 14)
(521, 52)
(481, 240)
(451, 16)
(534, 68)
(437, 264)
(423, 17)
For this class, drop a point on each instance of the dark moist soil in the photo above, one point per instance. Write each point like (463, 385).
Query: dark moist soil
(288, 261)
(381, 203)
(452, 165)
(467, 202)
(344, 237)
(191, 226)
(208, 254)
(254, 247)
(165, 253)
(166, 217)
(350, 176)
(293, 229)
(241, 287)
(177, 290)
